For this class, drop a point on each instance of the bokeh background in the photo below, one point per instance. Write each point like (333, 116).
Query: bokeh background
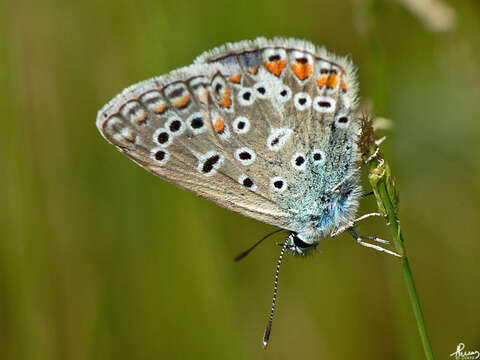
(101, 260)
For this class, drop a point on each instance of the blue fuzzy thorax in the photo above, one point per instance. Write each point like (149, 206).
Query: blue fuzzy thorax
(326, 198)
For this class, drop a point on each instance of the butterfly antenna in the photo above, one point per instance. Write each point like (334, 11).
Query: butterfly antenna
(268, 329)
(246, 252)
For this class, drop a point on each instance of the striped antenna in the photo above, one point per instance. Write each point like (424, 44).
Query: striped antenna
(268, 329)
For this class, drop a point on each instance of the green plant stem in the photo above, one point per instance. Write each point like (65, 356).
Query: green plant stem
(387, 200)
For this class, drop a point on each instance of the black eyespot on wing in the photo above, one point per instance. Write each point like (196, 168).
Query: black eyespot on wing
(261, 90)
(247, 182)
(302, 101)
(163, 137)
(241, 125)
(209, 163)
(274, 58)
(160, 155)
(343, 120)
(299, 160)
(197, 123)
(278, 184)
(175, 126)
(317, 156)
(283, 92)
(245, 155)
(247, 95)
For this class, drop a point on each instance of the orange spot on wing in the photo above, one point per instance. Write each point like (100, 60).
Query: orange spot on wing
(332, 81)
(235, 79)
(322, 81)
(160, 109)
(302, 70)
(344, 86)
(141, 118)
(219, 125)
(226, 101)
(254, 70)
(182, 102)
(275, 67)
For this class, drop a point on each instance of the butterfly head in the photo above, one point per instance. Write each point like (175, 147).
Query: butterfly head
(298, 244)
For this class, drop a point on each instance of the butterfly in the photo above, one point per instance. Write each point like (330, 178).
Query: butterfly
(265, 128)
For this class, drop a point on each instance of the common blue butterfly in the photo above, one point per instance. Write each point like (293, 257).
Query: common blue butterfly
(266, 128)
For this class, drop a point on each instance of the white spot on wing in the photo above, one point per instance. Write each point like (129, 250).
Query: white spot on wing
(172, 126)
(245, 155)
(324, 104)
(242, 181)
(159, 135)
(318, 157)
(159, 155)
(241, 125)
(154, 102)
(302, 101)
(278, 184)
(246, 97)
(273, 52)
(296, 158)
(284, 93)
(196, 123)
(204, 158)
(261, 91)
(278, 138)
(342, 120)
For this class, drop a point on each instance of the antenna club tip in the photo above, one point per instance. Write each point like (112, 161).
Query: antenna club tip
(239, 256)
(266, 336)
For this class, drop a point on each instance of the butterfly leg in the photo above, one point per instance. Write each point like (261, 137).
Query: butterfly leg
(373, 238)
(360, 238)
(381, 140)
(352, 224)
(373, 156)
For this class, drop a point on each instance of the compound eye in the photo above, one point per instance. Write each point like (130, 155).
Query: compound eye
(300, 243)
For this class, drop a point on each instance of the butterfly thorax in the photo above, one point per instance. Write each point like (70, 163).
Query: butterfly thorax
(324, 201)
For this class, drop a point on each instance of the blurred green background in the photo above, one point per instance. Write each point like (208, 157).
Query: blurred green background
(101, 260)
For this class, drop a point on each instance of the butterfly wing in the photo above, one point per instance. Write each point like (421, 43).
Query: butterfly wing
(234, 126)
(165, 125)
